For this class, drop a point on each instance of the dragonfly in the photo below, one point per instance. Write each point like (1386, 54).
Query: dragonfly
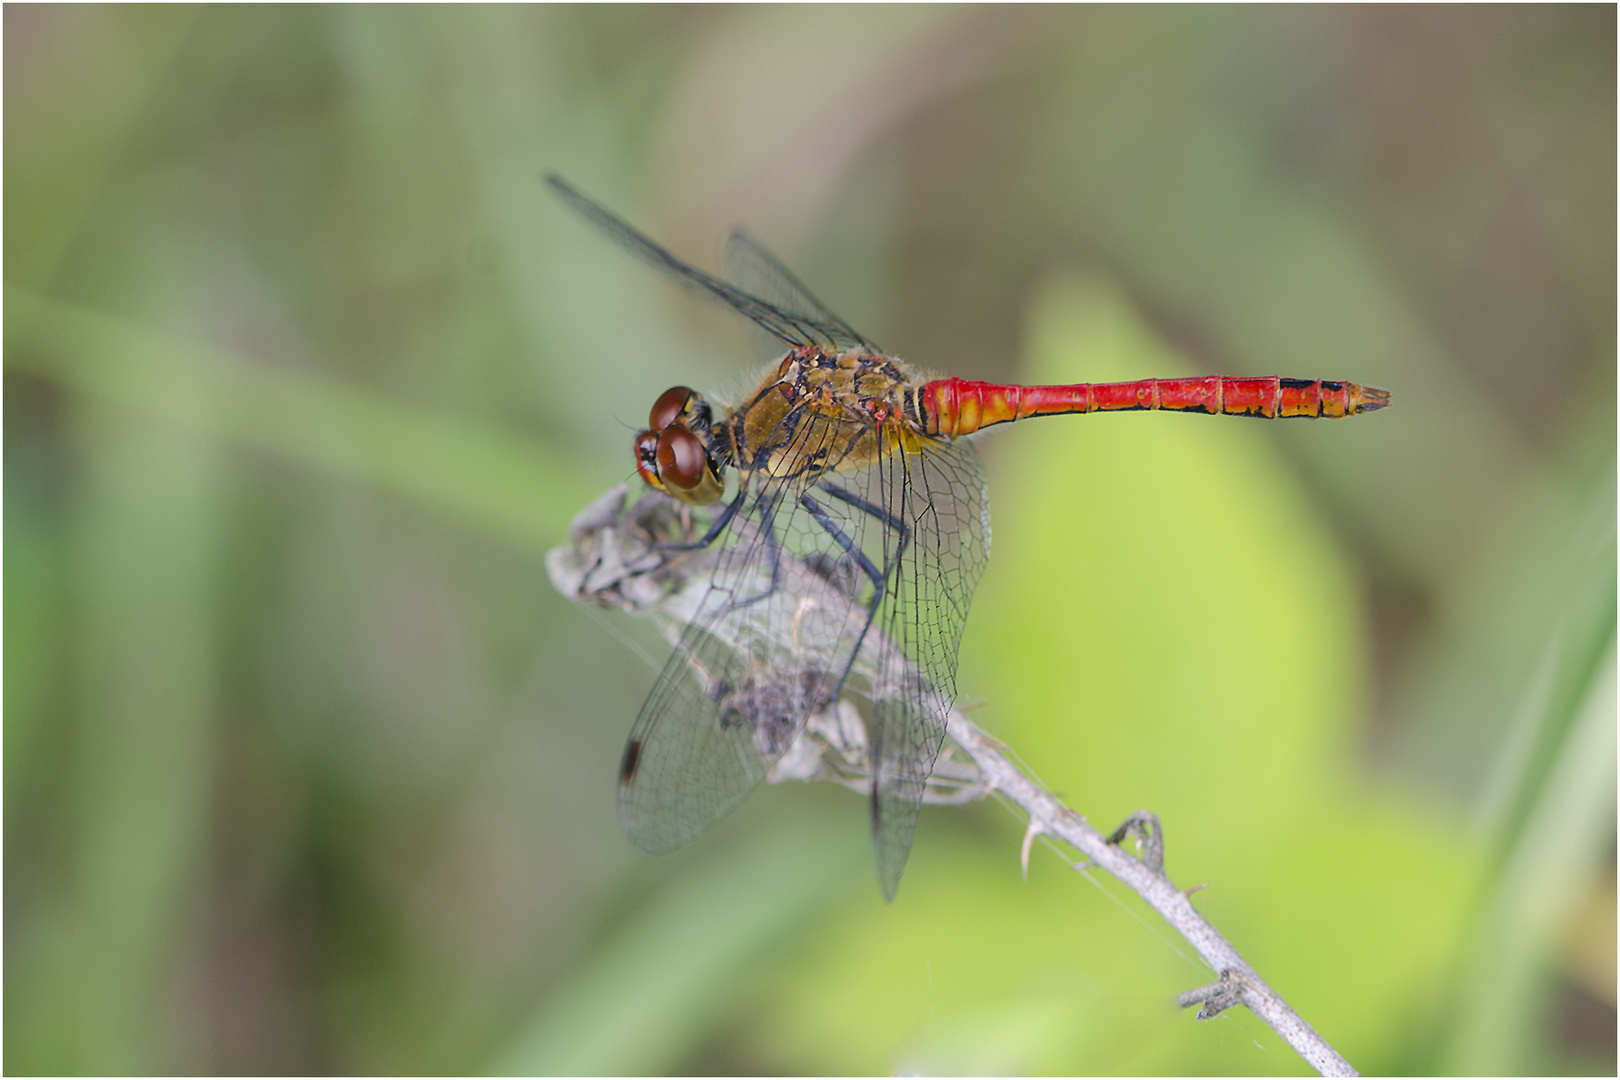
(849, 462)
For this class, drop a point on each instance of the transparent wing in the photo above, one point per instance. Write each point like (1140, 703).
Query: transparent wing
(936, 503)
(794, 328)
(766, 649)
(752, 266)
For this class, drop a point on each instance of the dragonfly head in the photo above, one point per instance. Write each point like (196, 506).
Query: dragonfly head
(673, 459)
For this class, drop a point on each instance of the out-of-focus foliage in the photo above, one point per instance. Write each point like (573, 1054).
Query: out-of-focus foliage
(308, 768)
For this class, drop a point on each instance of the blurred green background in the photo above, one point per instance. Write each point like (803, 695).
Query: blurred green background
(308, 769)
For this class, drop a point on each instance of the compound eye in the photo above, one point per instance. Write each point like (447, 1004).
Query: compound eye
(682, 460)
(647, 459)
(667, 409)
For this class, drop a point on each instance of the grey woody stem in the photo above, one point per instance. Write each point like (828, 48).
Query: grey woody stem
(639, 557)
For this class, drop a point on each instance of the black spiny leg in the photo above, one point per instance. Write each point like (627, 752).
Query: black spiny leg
(716, 527)
(878, 578)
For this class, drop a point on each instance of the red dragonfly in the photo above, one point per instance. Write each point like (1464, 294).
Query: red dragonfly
(848, 461)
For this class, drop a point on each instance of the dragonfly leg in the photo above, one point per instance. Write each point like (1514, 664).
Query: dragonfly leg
(894, 522)
(856, 555)
(880, 579)
(716, 527)
(767, 531)
(767, 537)
(765, 506)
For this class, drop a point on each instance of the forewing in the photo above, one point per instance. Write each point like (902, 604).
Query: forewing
(752, 266)
(766, 649)
(795, 330)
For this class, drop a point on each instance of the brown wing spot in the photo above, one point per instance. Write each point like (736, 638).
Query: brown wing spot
(632, 758)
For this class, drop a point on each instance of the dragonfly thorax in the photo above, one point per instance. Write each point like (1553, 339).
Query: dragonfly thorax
(673, 455)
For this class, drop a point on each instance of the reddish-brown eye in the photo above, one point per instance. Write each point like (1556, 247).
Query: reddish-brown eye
(681, 459)
(647, 458)
(667, 409)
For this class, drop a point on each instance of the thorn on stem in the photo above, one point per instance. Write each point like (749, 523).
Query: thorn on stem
(1035, 829)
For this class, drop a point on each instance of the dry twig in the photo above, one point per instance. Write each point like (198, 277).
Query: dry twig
(617, 559)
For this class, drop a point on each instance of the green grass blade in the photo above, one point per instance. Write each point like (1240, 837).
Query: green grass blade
(489, 479)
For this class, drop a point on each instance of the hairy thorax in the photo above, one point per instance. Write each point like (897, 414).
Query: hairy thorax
(824, 412)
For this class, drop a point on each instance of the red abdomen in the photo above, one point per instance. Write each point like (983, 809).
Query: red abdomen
(956, 407)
